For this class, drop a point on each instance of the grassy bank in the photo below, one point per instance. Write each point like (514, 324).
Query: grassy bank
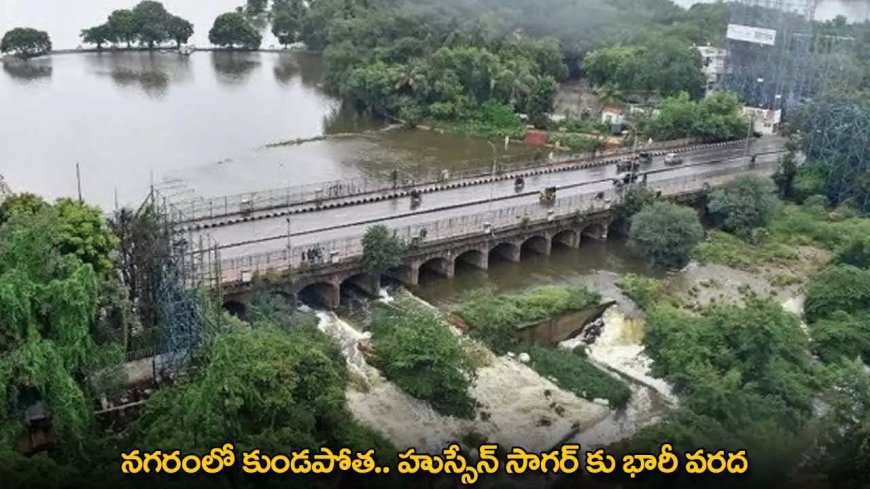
(492, 320)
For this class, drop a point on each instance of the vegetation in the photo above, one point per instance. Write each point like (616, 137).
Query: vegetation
(233, 30)
(840, 288)
(382, 249)
(492, 318)
(744, 204)
(287, 21)
(148, 23)
(25, 42)
(574, 373)
(420, 354)
(664, 66)
(665, 233)
(644, 291)
(715, 118)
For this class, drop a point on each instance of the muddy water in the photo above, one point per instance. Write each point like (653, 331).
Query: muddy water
(200, 126)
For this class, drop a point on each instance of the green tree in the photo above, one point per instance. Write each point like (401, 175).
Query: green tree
(25, 42)
(286, 27)
(26, 204)
(123, 26)
(842, 335)
(424, 358)
(839, 288)
(856, 253)
(178, 29)
(97, 35)
(382, 250)
(665, 233)
(85, 233)
(151, 23)
(233, 30)
(256, 7)
(744, 204)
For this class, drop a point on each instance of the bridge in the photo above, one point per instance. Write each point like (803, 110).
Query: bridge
(456, 222)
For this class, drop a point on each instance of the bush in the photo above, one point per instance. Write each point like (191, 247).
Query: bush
(574, 373)
(855, 253)
(744, 204)
(424, 358)
(840, 288)
(816, 202)
(842, 335)
(665, 233)
(492, 318)
(729, 250)
(577, 142)
(644, 291)
(809, 180)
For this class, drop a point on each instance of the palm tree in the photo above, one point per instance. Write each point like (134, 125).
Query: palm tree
(610, 95)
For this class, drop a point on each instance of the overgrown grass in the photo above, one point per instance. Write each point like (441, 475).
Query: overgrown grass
(491, 120)
(814, 226)
(492, 318)
(574, 373)
(576, 141)
(645, 291)
(729, 250)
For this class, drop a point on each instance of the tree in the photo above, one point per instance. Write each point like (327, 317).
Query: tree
(856, 253)
(744, 204)
(286, 27)
(233, 30)
(151, 20)
(382, 250)
(839, 288)
(123, 26)
(98, 35)
(842, 335)
(178, 29)
(26, 204)
(424, 358)
(25, 42)
(665, 233)
(256, 7)
(85, 233)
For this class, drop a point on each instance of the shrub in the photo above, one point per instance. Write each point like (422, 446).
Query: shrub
(856, 253)
(644, 291)
(840, 288)
(665, 233)
(744, 204)
(842, 335)
(424, 358)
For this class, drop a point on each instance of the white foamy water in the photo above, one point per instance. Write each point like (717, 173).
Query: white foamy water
(620, 349)
(517, 407)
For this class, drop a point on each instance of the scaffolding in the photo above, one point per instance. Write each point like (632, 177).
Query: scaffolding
(182, 278)
(798, 65)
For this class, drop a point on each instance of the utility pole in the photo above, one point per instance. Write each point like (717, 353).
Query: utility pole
(79, 181)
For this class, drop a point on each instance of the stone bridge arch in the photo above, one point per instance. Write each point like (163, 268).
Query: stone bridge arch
(507, 250)
(236, 308)
(440, 265)
(539, 244)
(368, 283)
(477, 258)
(321, 294)
(596, 230)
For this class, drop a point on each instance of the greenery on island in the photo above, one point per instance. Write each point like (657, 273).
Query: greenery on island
(148, 24)
(665, 233)
(25, 42)
(575, 374)
(233, 30)
(644, 291)
(744, 204)
(715, 118)
(664, 66)
(492, 318)
(418, 352)
(382, 249)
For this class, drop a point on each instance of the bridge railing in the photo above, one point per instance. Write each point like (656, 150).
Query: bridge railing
(210, 208)
(301, 256)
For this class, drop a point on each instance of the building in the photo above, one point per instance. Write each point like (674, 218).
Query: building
(612, 116)
(713, 65)
(764, 121)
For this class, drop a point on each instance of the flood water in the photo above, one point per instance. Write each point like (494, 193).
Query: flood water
(596, 265)
(200, 125)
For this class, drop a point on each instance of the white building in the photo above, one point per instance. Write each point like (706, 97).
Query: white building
(713, 65)
(764, 121)
(612, 115)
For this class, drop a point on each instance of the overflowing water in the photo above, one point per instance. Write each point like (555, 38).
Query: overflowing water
(516, 406)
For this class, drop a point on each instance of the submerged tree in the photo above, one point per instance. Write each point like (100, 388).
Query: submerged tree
(98, 35)
(25, 42)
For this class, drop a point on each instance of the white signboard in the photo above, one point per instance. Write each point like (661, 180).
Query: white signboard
(755, 35)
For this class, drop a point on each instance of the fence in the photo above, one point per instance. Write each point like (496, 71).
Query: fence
(201, 208)
(335, 251)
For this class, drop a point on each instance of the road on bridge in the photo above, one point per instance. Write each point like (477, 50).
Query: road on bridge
(269, 235)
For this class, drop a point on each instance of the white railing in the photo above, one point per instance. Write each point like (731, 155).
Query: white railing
(198, 209)
(334, 251)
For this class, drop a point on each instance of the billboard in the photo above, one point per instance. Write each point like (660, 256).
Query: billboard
(755, 35)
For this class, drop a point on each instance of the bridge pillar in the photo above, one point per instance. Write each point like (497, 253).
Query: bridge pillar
(409, 274)
(331, 296)
(571, 239)
(596, 231)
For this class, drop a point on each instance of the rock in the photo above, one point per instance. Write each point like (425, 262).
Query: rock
(603, 402)
(544, 422)
(510, 354)
(548, 393)
(524, 358)
(560, 410)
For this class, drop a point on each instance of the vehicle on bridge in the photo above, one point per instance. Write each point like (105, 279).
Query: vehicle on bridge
(416, 198)
(519, 184)
(672, 159)
(548, 195)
